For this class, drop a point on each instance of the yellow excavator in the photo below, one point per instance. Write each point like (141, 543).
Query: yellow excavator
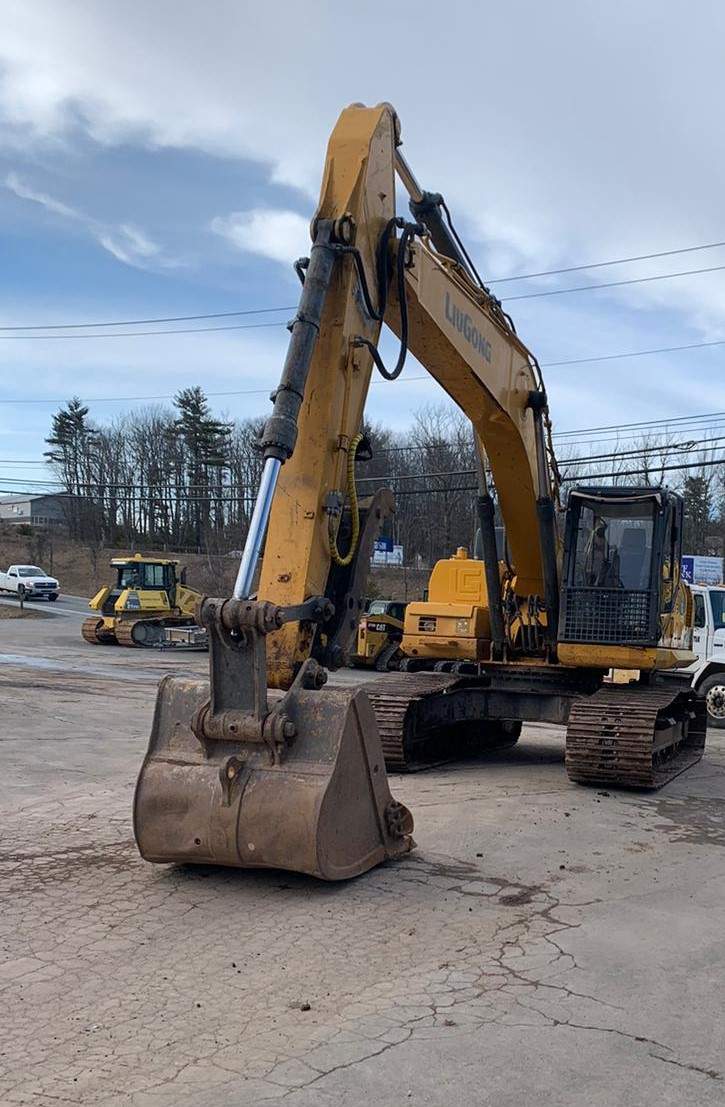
(149, 605)
(261, 765)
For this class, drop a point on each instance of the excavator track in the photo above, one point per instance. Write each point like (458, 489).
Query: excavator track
(396, 701)
(93, 632)
(634, 736)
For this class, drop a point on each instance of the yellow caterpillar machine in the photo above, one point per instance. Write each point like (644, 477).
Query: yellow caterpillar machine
(379, 634)
(263, 766)
(149, 605)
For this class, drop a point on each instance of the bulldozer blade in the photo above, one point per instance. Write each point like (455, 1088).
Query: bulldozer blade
(323, 808)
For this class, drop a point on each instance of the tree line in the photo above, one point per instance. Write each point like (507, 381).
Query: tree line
(180, 478)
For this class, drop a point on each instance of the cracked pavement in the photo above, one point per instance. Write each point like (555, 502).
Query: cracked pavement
(544, 943)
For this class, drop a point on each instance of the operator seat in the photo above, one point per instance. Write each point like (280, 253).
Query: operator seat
(634, 559)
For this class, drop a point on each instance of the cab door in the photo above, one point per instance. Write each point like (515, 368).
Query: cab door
(716, 624)
(700, 635)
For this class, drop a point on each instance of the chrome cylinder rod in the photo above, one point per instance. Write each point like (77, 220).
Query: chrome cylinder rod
(407, 176)
(257, 528)
(280, 431)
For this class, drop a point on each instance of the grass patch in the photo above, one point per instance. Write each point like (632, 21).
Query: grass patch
(8, 611)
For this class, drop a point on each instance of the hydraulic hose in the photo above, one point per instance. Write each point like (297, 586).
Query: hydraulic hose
(335, 554)
(409, 232)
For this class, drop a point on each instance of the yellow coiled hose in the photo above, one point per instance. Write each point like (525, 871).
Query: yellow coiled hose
(335, 554)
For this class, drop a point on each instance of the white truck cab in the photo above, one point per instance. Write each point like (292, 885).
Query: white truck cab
(30, 582)
(708, 642)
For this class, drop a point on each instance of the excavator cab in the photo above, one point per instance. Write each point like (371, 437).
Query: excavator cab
(621, 567)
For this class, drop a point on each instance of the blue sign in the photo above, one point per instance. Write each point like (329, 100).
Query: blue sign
(688, 570)
(383, 545)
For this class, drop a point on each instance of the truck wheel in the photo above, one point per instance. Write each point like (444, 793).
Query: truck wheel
(712, 691)
(53, 597)
(21, 591)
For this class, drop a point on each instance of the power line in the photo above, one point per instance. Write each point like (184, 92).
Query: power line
(211, 497)
(143, 322)
(137, 334)
(646, 423)
(293, 307)
(631, 353)
(210, 489)
(614, 441)
(390, 477)
(133, 499)
(643, 451)
(611, 284)
(641, 472)
(683, 424)
(566, 480)
(242, 326)
(674, 447)
(604, 264)
(688, 446)
(406, 379)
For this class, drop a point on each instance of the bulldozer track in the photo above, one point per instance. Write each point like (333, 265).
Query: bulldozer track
(634, 737)
(125, 630)
(124, 633)
(91, 631)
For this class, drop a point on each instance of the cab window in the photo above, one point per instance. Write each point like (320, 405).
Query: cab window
(144, 575)
(699, 601)
(154, 576)
(717, 603)
(614, 546)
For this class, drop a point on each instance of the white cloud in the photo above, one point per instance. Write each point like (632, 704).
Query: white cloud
(125, 242)
(279, 235)
(25, 192)
(567, 135)
(587, 147)
(133, 247)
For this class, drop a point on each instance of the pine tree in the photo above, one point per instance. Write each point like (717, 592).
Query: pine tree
(206, 445)
(72, 440)
(698, 510)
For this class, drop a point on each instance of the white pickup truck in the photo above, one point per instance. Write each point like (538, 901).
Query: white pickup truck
(30, 582)
(708, 642)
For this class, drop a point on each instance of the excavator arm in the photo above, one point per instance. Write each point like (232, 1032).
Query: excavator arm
(354, 279)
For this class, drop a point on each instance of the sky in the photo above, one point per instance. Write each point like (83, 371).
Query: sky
(164, 159)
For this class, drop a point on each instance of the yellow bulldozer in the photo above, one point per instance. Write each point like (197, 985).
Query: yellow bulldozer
(263, 766)
(149, 605)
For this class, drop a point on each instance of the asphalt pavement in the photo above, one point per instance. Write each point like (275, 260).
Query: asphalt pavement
(543, 944)
(64, 605)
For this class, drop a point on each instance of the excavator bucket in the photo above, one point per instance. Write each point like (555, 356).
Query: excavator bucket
(299, 785)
